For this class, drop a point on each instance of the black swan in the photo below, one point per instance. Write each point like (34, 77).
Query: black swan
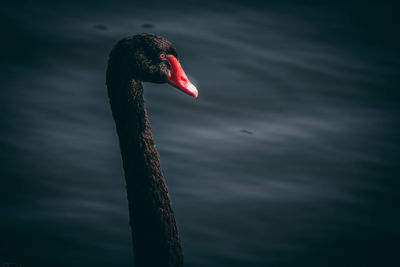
(133, 60)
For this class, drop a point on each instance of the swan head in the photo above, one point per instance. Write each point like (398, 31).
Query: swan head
(150, 58)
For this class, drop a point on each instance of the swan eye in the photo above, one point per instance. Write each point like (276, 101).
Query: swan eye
(163, 56)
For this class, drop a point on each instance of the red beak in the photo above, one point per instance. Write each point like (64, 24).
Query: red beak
(178, 79)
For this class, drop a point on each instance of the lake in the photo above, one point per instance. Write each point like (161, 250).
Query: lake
(289, 156)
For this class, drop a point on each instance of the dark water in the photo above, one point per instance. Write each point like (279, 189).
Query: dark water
(287, 158)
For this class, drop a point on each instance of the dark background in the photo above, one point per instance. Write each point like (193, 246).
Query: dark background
(287, 158)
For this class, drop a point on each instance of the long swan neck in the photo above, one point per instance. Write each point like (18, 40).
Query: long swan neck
(154, 232)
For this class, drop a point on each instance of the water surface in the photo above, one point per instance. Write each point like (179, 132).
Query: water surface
(287, 158)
